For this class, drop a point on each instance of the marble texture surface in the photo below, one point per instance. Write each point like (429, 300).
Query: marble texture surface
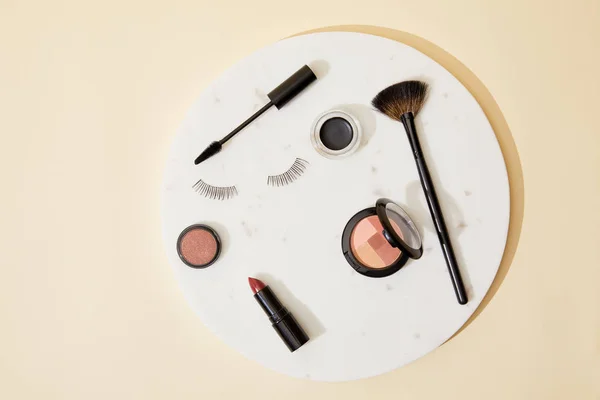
(290, 236)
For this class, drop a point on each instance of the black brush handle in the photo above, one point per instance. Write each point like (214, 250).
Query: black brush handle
(435, 209)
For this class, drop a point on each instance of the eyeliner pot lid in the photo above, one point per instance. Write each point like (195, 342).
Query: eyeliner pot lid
(398, 228)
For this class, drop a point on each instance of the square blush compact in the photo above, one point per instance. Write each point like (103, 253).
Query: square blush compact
(378, 241)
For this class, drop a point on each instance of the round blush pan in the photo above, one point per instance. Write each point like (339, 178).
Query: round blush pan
(378, 244)
(369, 246)
(198, 246)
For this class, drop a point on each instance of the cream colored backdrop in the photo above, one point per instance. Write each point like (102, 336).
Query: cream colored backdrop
(91, 94)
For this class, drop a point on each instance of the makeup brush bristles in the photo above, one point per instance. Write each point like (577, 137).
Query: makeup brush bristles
(401, 98)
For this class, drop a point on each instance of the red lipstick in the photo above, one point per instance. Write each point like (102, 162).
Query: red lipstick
(256, 285)
(284, 323)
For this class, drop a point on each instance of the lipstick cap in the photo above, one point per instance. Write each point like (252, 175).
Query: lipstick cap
(290, 331)
(284, 323)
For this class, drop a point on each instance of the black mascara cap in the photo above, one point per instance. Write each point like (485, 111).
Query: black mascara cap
(292, 86)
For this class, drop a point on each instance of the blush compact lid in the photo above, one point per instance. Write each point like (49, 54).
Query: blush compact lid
(398, 228)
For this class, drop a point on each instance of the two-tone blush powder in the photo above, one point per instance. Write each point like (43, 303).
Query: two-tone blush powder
(369, 245)
(378, 241)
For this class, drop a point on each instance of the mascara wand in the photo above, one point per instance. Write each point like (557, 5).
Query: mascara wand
(278, 97)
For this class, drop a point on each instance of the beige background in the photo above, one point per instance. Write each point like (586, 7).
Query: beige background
(90, 98)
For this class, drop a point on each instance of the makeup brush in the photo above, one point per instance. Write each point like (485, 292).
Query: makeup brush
(278, 97)
(402, 102)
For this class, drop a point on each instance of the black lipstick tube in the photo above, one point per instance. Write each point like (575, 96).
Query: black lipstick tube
(284, 323)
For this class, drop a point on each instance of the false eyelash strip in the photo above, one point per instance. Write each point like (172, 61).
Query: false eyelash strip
(215, 192)
(289, 176)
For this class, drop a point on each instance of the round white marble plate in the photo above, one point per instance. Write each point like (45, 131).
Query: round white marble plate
(290, 236)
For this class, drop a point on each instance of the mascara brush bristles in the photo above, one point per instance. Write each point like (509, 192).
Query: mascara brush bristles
(401, 98)
(210, 151)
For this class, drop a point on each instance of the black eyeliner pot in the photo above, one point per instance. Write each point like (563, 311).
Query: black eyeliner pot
(336, 134)
(378, 241)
